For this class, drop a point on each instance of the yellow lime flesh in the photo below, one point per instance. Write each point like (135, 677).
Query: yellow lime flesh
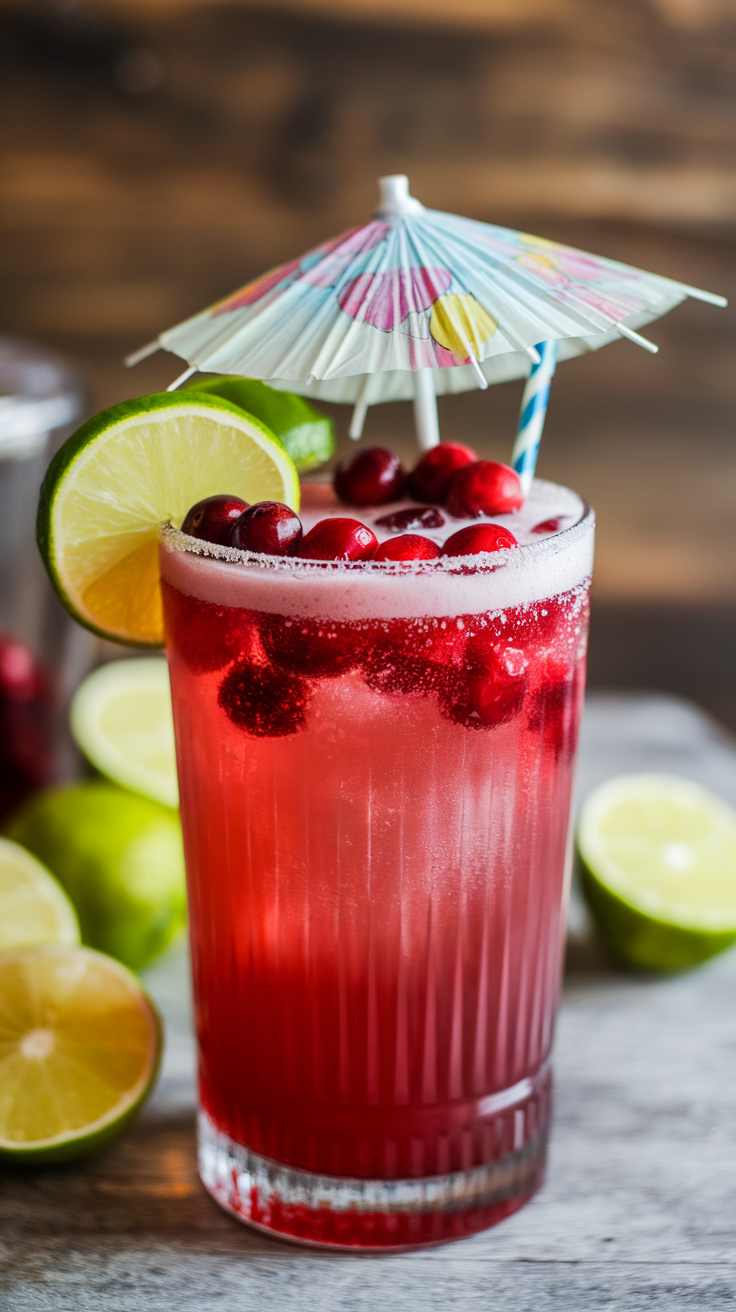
(33, 906)
(658, 858)
(121, 719)
(79, 1049)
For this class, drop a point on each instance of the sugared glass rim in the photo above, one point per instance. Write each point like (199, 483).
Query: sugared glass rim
(483, 562)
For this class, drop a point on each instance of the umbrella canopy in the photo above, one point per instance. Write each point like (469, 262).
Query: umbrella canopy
(363, 317)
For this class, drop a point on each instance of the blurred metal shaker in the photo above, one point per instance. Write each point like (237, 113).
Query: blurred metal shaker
(43, 654)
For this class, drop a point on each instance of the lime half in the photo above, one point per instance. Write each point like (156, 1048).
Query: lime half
(658, 858)
(33, 906)
(121, 719)
(127, 471)
(308, 435)
(79, 1049)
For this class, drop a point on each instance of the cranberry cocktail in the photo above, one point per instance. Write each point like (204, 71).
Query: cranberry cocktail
(375, 762)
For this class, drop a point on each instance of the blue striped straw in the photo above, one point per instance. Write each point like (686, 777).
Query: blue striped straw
(532, 414)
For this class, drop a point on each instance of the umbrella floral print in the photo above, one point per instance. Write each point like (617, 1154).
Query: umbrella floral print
(440, 325)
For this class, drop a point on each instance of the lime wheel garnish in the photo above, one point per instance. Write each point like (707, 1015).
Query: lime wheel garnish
(126, 472)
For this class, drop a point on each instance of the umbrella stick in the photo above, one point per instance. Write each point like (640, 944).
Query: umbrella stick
(182, 378)
(425, 410)
(142, 353)
(360, 410)
(532, 414)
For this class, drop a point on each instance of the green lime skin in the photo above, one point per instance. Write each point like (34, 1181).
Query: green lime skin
(308, 435)
(635, 939)
(87, 1145)
(67, 454)
(120, 858)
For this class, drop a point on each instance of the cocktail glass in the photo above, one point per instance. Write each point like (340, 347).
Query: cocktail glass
(375, 766)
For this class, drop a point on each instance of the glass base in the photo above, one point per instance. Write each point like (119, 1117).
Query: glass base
(335, 1212)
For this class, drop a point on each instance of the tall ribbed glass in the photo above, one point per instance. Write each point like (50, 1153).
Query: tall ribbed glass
(375, 772)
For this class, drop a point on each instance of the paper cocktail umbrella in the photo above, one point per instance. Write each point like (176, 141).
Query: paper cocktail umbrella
(417, 303)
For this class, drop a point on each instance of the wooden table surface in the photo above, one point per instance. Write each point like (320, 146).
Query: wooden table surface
(639, 1207)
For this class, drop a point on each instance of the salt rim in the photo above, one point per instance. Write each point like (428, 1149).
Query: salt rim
(482, 562)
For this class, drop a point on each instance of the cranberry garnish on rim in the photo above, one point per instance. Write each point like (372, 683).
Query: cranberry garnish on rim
(409, 546)
(266, 703)
(429, 479)
(213, 518)
(476, 538)
(269, 527)
(371, 478)
(547, 526)
(484, 488)
(338, 539)
(413, 517)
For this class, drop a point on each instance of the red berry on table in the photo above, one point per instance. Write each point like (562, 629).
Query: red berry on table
(266, 703)
(484, 488)
(475, 538)
(26, 725)
(18, 674)
(338, 539)
(213, 518)
(371, 478)
(409, 546)
(413, 517)
(269, 527)
(429, 479)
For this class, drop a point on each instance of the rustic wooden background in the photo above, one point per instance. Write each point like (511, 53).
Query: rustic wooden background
(156, 153)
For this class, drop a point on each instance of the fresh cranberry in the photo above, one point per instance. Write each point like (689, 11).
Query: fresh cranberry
(269, 527)
(266, 703)
(414, 517)
(320, 648)
(409, 546)
(553, 711)
(213, 518)
(491, 688)
(484, 488)
(412, 657)
(206, 637)
(338, 539)
(371, 478)
(547, 526)
(429, 479)
(476, 538)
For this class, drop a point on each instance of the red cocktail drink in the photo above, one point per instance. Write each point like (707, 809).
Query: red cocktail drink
(375, 770)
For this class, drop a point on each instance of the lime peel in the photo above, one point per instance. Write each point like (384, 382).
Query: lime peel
(658, 864)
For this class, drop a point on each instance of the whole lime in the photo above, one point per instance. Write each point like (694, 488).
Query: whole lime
(120, 858)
